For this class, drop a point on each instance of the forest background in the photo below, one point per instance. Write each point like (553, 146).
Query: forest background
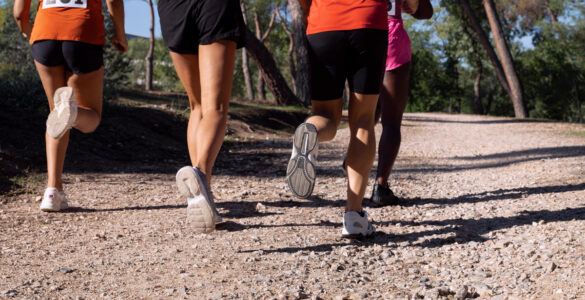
(453, 70)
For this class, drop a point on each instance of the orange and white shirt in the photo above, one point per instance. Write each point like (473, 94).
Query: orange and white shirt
(69, 20)
(336, 15)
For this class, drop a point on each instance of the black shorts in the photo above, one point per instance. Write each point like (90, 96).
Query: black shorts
(186, 24)
(356, 55)
(78, 57)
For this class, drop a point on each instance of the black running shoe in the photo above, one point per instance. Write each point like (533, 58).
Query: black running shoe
(383, 196)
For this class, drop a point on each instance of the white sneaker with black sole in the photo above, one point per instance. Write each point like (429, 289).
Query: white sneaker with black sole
(356, 225)
(201, 212)
(64, 113)
(53, 200)
(300, 172)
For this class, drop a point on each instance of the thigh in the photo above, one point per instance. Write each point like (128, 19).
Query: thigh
(82, 58)
(367, 63)
(394, 95)
(216, 69)
(361, 110)
(88, 89)
(332, 109)
(178, 26)
(52, 78)
(327, 64)
(187, 67)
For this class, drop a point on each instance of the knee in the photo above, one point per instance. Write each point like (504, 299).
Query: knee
(391, 129)
(365, 121)
(219, 114)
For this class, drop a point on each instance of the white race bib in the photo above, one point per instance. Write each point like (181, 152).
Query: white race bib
(67, 3)
(391, 7)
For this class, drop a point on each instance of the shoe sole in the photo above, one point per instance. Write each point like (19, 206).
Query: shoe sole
(357, 236)
(199, 211)
(51, 208)
(300, 172)
(59, 123)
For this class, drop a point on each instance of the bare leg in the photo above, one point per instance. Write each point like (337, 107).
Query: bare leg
(88, 93)
(207, 78)
(362, 147)
(393, 97)
(187, 67)
(52, 79)
(87, 89)
(326, 117)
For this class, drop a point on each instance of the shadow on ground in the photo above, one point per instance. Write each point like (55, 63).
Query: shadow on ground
(130, 139)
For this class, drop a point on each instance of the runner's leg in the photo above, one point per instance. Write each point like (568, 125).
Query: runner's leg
(326, 118)
(88, 93)
(393, 97)
(216, 63)
(187, 67)
(53, 78)
(361, 149)
(206, 130)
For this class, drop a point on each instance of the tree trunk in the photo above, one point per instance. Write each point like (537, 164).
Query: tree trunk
(150, 54)
(245, 63)
(578, 98)
(485, 42)
(507, 62)
(551, 15)
(291, 47)
(274, 80)
(261, 92)
(303, 91)
(477, 87)
(490, 100)
(259, 81)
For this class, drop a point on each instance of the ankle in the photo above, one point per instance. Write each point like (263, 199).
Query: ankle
(382, 182)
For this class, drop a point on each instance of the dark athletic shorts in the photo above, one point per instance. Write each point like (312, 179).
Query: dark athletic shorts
(78, 57)
(186, 24)
(356, 55)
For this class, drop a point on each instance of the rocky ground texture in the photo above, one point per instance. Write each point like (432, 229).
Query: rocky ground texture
(497, 211)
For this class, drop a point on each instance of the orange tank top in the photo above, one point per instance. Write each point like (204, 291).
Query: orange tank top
(69, 20)
(335, 15)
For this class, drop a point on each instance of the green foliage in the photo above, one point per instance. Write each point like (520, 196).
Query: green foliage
(116, 65)
(19, 83)
(164, 75)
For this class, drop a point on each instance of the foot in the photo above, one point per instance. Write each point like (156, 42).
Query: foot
(300, 173)
(53, 200)
(63, 114)
(356, 225)
(201, 211)
(383, 196)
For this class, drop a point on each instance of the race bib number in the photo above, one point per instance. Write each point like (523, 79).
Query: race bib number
(67, 3)
(391, 7)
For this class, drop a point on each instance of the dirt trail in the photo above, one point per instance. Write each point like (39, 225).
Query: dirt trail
(498, 212)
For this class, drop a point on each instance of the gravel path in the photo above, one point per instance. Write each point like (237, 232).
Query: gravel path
(498, 212)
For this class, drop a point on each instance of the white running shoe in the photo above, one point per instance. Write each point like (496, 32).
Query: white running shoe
(356, 226)
(53, 200)
(201, 211)
(64, 113)
(300, 172)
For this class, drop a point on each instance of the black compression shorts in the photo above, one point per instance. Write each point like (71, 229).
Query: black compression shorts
(356, 55)
(186, 24)
(78, 57)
